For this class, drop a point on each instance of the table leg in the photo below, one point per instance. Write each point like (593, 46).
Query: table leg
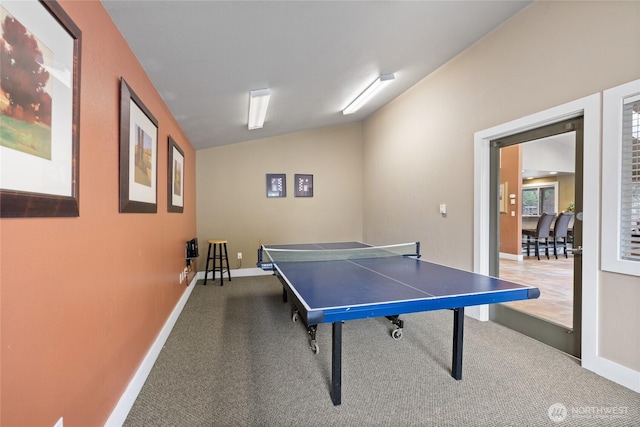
(206, 269)
(215, 246)
(336, 364)
(458, 328)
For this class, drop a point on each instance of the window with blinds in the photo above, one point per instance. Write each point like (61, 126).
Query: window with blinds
(630, 180)
(621, 179)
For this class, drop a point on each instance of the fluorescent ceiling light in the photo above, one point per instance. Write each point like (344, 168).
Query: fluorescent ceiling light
(369, 93)
(258, 103)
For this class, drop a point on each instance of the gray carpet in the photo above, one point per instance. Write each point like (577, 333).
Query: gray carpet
(235, 358)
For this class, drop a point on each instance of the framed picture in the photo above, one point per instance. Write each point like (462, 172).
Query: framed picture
(175, 178)
(138, 154)
(503, 196)
(39, 110)
(304, 185)
(276, 185)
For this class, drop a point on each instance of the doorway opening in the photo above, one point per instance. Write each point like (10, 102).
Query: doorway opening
(536, 181)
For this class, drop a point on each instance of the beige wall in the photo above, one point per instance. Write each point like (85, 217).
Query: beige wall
(620, 319)
(84, 298)
(231, 194)
(419, 149)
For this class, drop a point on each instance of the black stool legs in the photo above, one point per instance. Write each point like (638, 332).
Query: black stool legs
(219, 249)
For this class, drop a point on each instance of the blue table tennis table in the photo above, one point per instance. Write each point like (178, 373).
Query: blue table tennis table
(342, 281)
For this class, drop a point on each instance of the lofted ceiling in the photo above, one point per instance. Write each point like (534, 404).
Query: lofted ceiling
(204, 57)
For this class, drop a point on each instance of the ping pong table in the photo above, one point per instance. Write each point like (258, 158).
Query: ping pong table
(342, 281)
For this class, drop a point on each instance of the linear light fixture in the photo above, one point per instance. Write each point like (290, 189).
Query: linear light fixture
(369, 93)
(258, 103)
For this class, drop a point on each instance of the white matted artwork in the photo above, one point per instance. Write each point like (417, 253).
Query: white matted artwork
(138, 154)
(39, 110)
(175, 177)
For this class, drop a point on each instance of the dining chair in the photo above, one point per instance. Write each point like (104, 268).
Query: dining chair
(560, 233)
(539, 237)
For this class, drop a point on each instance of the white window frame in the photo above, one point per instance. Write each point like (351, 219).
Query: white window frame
(613, 102)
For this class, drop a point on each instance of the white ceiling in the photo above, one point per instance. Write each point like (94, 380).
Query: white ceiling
(204, 57)
(553, 155)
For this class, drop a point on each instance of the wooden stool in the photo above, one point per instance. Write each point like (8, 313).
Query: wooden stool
(218, 246)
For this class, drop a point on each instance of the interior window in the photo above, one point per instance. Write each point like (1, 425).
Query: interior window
(538, 199)
(630, 191)
(621, 179)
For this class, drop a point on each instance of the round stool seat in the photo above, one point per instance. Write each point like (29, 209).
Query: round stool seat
(216, 242)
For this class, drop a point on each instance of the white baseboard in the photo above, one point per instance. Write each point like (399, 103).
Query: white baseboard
(512, 257)
(240, 272)
(613, 371)
(478, 312)
(121, 410)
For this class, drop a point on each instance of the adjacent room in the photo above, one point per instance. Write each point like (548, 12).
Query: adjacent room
(155, 154)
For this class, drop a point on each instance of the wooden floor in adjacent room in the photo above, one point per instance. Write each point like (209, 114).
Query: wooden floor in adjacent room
(554, 278)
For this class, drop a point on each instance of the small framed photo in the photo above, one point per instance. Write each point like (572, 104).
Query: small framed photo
(503, 196)
(304, 185)
(276, 185)
(39, 110)
(138, 154)
(175, 178)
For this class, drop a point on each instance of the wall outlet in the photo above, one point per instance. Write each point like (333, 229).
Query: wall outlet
(180, 278)
(239, 255)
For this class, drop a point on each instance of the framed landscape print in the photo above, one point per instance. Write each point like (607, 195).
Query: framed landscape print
(276, 185)
(175, 178)
(39, 110)
(304, 185)
(138, 154)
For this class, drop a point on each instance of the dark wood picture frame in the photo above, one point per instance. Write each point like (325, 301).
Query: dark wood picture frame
(276, 185)
(134, 115)
(303, 185)
(175, 177)
(17, 201)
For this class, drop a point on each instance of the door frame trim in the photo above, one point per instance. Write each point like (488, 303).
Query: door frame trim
(589, 107)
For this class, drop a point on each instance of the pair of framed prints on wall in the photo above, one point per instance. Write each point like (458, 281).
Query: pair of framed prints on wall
(277, 185)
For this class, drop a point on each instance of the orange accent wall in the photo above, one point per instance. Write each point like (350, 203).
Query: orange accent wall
(511, 177)
(82, 299)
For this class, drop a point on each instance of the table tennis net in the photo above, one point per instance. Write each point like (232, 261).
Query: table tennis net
(302, 255)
